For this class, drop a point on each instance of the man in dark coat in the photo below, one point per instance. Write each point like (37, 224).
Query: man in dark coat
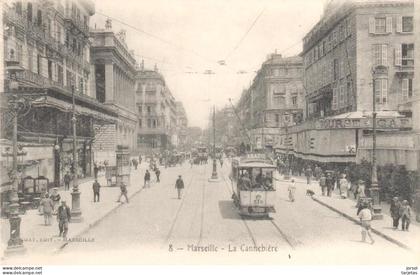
(329, 181)
(179, 185)
(96, 189)
(308, 175)
(146, 179)
(95, 170)
(63, 217)
(157, 172)
(67, 180)
(395, 212)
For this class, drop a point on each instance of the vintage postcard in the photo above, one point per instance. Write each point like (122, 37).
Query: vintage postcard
(210, 132)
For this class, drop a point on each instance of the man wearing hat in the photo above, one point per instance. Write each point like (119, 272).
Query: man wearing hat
(395, 212)
(63, 217)
(179, 185)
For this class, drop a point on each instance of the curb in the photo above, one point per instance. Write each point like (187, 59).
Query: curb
(95, 223)
(377, 232)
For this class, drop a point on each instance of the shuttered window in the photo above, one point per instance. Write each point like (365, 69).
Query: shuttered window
(380, 54)
(334, 99)
(381, 91)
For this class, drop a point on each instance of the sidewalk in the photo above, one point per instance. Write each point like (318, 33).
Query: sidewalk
(346, 207)
(39, 238)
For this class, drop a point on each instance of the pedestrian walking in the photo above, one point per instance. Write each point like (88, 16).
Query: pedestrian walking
(365, 216)
(395, 212)
(323, 184)
(308, 174)
(47, 207)
(95, 170)
(405, 213)
(55, 198)
(123, 189)
(96, 187)
(135, 163)
(292, 189)
(329, 183)
(157, 172)
(343, 185)
(221, 162)
(140, 159)
(67, 180)
(146, 179)
(317, 172)
(179, 185)
(63, 218)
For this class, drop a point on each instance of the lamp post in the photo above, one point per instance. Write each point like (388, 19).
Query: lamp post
(374, 188)
(76, 213)
(16, 105)
(214, 176)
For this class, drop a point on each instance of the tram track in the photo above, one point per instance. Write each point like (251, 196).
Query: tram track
(185, 195)
(291, 242)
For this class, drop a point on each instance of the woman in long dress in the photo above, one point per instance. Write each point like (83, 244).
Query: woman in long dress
(343, 186)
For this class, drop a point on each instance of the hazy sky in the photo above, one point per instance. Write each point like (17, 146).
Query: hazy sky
(184, 36)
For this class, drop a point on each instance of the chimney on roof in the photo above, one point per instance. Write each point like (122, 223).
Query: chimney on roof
(142, 65)
(156, 68)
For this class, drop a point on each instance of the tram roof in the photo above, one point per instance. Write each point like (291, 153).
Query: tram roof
(255, 164)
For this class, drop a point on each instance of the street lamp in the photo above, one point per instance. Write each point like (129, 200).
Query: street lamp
(16, 106)
(214, 176)
(76, 212)
(374, 188)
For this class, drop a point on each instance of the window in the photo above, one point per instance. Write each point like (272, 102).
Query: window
(279, 101)
(18, 7)
(50, 72)
(38, 64)
(407, 24)
(149, 123)
(406, 89)
(381, 91)
(380, 54)
(140, 109)
(39, 18)
(336, 69)
(407, 54)
(60, 74)
(380, 25)
(29, 12)
(140, 123)
(342, 101)
(277, 118)
(59, 34)
(294, 100)
(149, 109)
(30, 59)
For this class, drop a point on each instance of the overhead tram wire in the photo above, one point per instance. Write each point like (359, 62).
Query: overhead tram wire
(245, 35)
(156, 37)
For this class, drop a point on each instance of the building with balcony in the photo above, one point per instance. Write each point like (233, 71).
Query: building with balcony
(50, 42)
(157, 112)
(274, 99)
(113, 84)
(182, 125)
(359, 52)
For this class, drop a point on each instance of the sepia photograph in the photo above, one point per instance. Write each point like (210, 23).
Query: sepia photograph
(209, 132)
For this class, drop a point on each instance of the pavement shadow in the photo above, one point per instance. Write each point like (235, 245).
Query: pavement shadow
(228, 210)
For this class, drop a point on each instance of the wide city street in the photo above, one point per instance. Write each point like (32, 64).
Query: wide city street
(156, 226)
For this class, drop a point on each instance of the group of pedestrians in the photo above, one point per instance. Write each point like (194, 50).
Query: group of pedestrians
(400, 211)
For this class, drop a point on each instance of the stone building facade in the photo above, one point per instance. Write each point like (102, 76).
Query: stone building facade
(353, 39)
(50, 42)
(274, 99)
(113, 84)
(157, 112)
(182, 125)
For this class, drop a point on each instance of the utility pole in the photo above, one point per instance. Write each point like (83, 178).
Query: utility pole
(214, 176)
